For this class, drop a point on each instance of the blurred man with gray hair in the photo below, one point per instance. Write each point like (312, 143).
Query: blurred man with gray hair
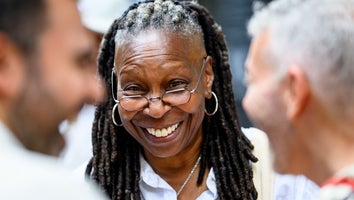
(300, 74)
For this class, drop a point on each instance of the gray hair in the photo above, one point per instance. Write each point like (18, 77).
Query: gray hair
(164, 15)
(317, 35)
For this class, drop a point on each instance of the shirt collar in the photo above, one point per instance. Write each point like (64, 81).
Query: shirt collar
(10, 146)
(8, 142)
(153, 180)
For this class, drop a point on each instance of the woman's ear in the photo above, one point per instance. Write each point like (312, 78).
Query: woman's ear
(208, 77)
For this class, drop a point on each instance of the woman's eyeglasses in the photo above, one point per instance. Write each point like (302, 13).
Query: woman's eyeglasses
(171, 97)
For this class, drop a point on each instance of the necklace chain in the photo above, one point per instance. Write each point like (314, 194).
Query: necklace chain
(189, 176)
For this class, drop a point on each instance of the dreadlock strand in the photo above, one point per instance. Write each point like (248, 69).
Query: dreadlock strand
(220, 167)
(204, 156)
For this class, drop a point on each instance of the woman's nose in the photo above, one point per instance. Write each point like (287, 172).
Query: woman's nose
(156, 108)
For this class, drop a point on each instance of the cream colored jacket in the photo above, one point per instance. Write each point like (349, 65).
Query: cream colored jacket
(263, 173)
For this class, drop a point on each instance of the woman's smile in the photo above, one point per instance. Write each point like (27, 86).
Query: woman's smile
(163, 135)
(162, 132)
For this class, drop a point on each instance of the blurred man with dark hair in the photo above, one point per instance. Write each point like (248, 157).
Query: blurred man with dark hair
(47, 73)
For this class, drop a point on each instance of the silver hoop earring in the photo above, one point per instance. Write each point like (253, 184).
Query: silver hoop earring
(113, 117)
(112, 84)
(216, 106)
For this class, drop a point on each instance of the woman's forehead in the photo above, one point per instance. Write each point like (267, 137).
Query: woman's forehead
(160, 42)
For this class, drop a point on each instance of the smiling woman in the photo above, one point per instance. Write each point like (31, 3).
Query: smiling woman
(169, 128)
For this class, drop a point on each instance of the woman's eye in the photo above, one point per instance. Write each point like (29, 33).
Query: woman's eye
(133, 90)
(177, 84)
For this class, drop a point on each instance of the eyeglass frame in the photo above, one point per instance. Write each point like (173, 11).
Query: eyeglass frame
(149, 100)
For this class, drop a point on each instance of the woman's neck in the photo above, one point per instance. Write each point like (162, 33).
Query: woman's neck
(175, 169)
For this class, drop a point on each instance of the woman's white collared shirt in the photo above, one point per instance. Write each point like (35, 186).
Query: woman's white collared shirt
(153, 187)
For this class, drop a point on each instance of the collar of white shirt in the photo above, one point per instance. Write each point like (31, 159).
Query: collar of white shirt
(152, 186)
(8, 143)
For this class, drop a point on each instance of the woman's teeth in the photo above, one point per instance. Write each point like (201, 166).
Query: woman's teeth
(162, 132)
